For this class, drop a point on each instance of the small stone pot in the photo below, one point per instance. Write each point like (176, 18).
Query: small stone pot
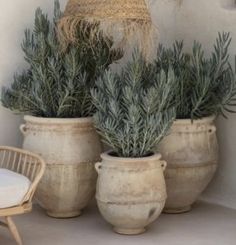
(131, 192)
(191, 150)
(70, 148)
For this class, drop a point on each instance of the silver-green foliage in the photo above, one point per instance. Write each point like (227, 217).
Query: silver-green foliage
(58, 82)
(135, 108)
(205, 86)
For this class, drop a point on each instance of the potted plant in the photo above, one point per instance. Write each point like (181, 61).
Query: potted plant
(54, 95)
(134, 112)
(206, 88)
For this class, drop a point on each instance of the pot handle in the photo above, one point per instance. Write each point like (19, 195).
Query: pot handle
(23, 129)
(98, 166)
(212, 129)
(163, 165)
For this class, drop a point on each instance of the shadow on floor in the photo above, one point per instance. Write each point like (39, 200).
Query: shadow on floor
(206, 224)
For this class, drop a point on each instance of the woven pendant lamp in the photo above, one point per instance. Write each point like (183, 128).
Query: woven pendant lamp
(128, 22)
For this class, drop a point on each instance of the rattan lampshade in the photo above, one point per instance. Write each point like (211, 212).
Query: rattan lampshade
(127, 21)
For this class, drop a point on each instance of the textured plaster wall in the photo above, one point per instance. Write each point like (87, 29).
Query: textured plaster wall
(193, 19)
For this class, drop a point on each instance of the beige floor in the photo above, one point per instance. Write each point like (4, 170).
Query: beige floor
(207, 224)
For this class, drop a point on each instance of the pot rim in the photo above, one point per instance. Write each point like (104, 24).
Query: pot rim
(195, 121)
(106, 156)
(51, 120)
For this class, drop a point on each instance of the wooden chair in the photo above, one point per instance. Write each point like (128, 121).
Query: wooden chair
(30, 165)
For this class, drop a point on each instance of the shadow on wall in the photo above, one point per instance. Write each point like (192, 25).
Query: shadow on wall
(229, 4)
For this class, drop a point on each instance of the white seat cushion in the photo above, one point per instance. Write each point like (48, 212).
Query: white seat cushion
(13, 188)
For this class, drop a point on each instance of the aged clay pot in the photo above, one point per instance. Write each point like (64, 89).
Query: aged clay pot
(131, 192)
(70, 148)
(191, 151)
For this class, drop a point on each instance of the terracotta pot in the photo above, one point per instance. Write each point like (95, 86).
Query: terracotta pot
(70, 148)
(131, 192)
(191, 151)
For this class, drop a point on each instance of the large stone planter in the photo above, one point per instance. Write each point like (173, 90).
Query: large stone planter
(70, 148)
(131, 192)
(191, 151)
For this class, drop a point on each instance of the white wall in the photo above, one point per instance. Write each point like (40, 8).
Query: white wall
(14, 18)
(200, 20)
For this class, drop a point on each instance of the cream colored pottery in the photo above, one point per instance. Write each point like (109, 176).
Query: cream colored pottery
(131, 192)
(191, 150)
(70, 148)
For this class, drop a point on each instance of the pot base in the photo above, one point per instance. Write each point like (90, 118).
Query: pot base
(177, 210)
(123, 231)
(65, 215)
